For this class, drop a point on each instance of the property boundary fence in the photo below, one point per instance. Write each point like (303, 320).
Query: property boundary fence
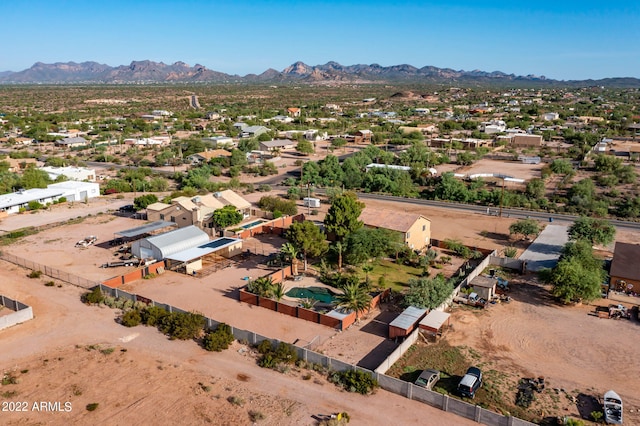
(391, 384)
(22, 312)
(49, 271)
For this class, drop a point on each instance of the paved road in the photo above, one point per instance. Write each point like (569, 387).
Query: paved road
(545, 250)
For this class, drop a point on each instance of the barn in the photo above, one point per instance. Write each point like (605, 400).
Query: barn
(161, 246)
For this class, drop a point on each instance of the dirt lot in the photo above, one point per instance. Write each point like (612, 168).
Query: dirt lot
(78, 354)
(514, 169)
(533, 336)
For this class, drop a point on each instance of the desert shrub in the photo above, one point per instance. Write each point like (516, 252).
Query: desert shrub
(354, 381)
(218, 340)
(49, 283)
(254, 415)
(92, 407)
(273, 356)
(510, 252)
(93, 297)
(152, 315)
(35, 274)
(236, 400)
(182, 326)
(131, 318)
(458, 248)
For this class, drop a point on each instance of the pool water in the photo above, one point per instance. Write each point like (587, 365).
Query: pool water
(252, 224)
(320, 294)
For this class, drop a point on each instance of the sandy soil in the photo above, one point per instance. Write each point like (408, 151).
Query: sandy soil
(514, 169)
(574, 350)
(64, 355)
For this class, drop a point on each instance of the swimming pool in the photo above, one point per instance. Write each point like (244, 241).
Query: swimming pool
(252, 224)
(320, 294)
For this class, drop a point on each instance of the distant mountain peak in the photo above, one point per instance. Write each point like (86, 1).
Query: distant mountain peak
(332, 72)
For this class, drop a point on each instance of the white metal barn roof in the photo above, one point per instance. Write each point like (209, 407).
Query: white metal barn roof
(178, 240)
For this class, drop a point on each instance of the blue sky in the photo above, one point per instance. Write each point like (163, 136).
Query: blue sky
(559, 39)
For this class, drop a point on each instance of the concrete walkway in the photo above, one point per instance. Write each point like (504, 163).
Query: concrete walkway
(545, 250)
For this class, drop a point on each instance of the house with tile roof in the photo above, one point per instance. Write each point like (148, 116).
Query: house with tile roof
(414, 228)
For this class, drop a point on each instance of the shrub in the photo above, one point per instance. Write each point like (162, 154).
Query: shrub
(218, 340)
(273, 356)
(92, 407)
(152, 315)
(236, 400)
(182, 326)
(510, 252)
(35, 274)
(94, 297)
(354, 381)
(49, 283)
(254, 415)
(131, 318)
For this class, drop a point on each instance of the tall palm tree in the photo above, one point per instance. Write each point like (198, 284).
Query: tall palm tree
(291, 252)
(366, 269)
(354, 298)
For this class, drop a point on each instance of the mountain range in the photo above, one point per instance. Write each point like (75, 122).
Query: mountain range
(332, 72)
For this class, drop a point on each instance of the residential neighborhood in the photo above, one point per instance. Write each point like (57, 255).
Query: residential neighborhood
(380, 234)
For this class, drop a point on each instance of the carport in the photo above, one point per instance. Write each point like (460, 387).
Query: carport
(434, 322)
(214, 255)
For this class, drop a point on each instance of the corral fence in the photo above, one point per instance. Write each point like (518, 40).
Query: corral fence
(49, 271)
(391, 384)
(21, 312)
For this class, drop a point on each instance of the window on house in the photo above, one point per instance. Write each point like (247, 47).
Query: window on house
(408, 234)
(173, 218)
(424, 228)
(161, 216)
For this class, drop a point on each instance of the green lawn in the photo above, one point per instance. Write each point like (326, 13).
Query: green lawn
(396, 276)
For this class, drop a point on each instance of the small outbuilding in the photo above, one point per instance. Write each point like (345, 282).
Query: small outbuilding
(484, 286)
(434, 322)
(406, 322)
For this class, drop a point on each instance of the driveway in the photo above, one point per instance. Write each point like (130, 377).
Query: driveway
(545, 250)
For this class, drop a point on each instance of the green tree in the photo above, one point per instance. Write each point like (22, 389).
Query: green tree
(305, 147)
(535, 188)
(355, 298)
(307, 238)
(366, 243)
(342, 217)
(578, 274)
(561, 166)
(218, 339)
(143, 201)
(596, 231)
(226, 216)
(428, 293)
(525, 227)
(607, 163)
(262, 286)
(338, 142)
(451, 189)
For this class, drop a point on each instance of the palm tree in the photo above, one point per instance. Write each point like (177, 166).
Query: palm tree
(307, 303)
(278, 291)
(354, 298)
(263, 287)
(366, 269)
(291, 252)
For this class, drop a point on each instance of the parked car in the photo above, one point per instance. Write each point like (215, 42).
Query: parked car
(470, 383)
(428, 378)
(612, 408)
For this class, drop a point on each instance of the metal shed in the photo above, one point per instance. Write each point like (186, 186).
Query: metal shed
(163, 245)
(406, 322)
